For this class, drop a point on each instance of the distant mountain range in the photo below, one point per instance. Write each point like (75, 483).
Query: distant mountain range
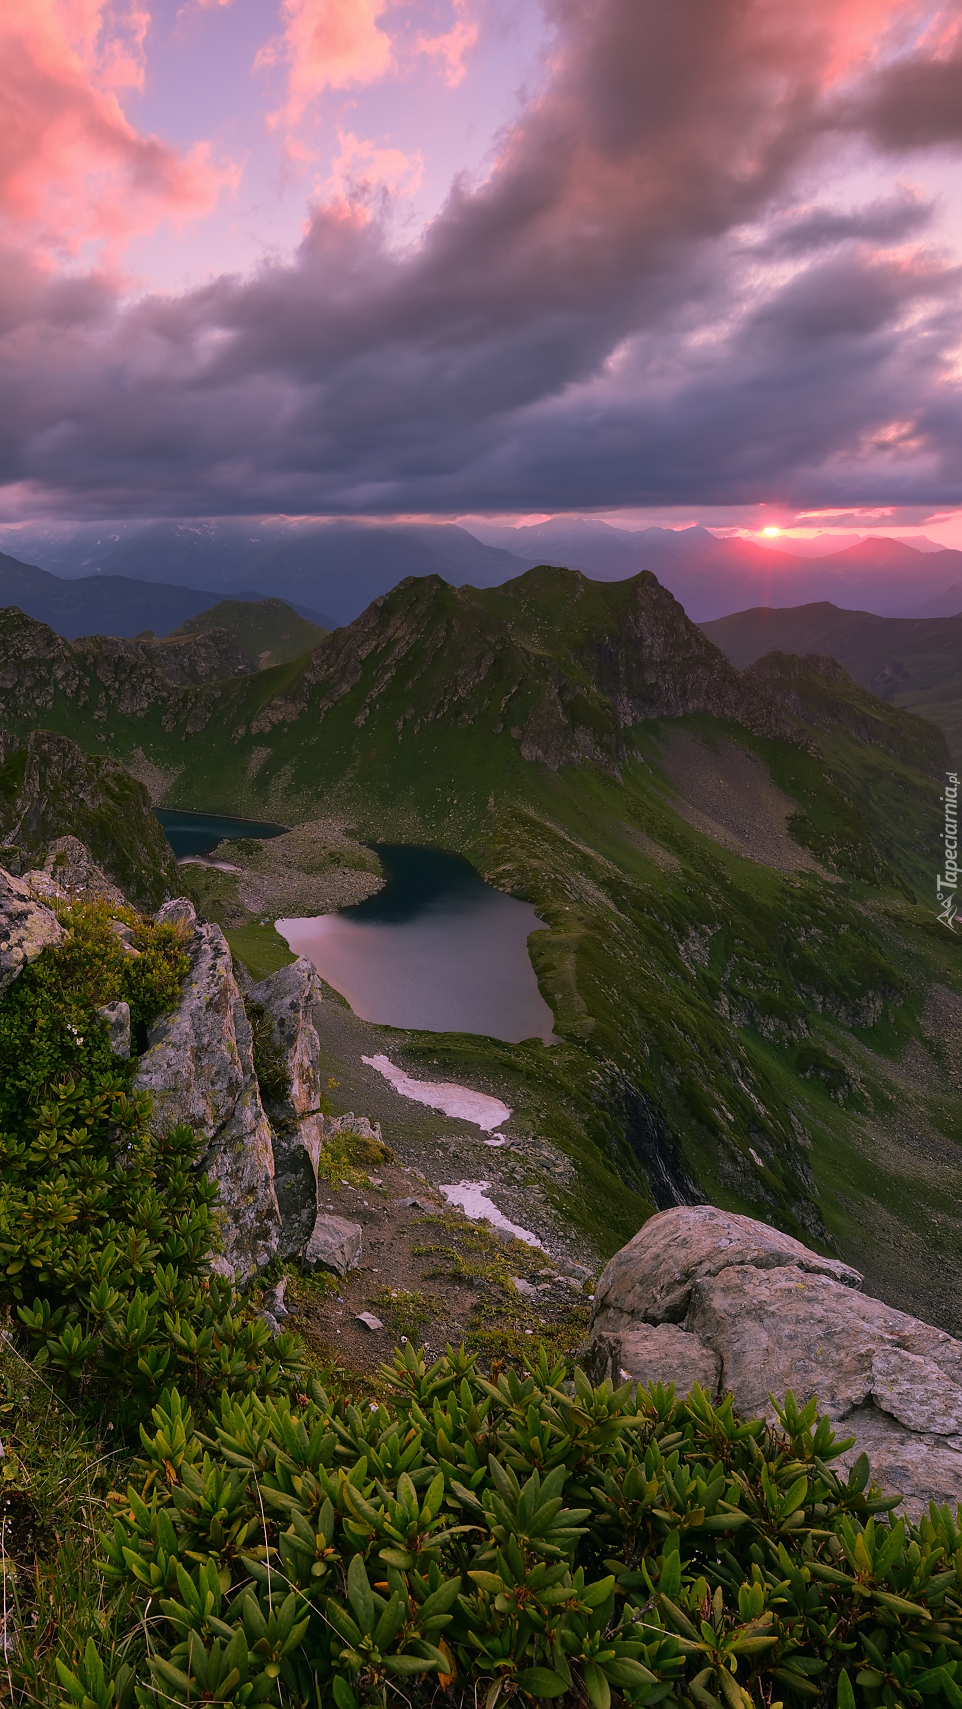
(113, 605)
(915, 663)
(333, 567)
(339, 567)
(712, 577)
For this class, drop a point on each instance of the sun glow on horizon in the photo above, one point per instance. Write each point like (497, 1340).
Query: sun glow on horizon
(771, 532)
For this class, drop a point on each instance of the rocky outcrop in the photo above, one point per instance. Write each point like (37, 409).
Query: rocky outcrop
(703, 1294)
(287, 999)
(58, 791)
(71, 874)
(819, 691)
(199, 1069)
(26, 927)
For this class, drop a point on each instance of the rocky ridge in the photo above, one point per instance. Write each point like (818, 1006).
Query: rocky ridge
(51, 789)
(635, 656)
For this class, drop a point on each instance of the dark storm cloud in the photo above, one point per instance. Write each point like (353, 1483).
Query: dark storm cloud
(916, 105)
(606, 321)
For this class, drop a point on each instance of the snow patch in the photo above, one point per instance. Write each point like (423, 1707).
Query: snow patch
(451, 1100)
(471, 1198)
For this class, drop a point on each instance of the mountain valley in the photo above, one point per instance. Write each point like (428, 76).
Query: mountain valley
(754, 1002)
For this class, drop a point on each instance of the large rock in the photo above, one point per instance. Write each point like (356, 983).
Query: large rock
(652, 1277)
(199, 1069)
(27, 926)
(287, 999)
(335, 1244)
(766, 1314)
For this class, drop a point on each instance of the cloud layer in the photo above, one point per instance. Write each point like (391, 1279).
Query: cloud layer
(663, 293)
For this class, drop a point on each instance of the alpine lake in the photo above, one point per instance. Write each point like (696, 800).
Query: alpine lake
(435, 950)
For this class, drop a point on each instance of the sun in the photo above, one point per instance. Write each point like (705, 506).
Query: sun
(771, 532)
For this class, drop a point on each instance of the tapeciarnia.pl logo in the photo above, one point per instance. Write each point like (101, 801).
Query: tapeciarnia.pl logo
(947, 882)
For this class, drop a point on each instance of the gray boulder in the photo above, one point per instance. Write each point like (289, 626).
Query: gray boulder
(27, 927)
(335, 1244)
(199, 1069)
(700, 1290)
(646, 1353)
(117, 1017)
(653, 1276)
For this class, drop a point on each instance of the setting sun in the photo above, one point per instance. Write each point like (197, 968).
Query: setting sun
(771, 531)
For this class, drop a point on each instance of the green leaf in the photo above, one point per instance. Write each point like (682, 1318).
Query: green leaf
(597, 1686)
(540, 1682)
(624, 1671)
(846, 1696)
(359, 1592)
(487, 1581)
(342, 1693)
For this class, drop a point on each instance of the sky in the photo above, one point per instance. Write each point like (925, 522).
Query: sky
(697, 261)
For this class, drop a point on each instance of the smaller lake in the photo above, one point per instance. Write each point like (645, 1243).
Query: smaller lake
(198, 833)
(437, 950)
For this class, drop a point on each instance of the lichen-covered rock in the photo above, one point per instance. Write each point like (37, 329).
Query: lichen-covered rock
(287, 999)
(117, 1017)
(71, 874)
(27, 927)
(335, 1244)
(776, 1316)
(199, 1069)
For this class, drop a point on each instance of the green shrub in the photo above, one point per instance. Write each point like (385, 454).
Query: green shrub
(106, 1234)
(49, 1028)
(270, 1061)
(107, 1229)
(524, 1537)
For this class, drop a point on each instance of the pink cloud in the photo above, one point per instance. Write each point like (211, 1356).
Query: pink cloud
(328, 44)
(451, 47)
(73, 170)
(360, 170)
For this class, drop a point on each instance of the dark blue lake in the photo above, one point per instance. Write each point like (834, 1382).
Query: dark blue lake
(437, 950)
(199, 833)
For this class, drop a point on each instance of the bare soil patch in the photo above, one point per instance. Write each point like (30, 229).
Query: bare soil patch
(431, 1277)
(727, 794)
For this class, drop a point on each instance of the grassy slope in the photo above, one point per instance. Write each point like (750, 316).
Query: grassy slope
(914, 662)
(727, 1031)
(270, 632)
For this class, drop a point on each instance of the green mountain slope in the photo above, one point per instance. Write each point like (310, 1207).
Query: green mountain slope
(912, 662)
(268, 631)
(754, 1001)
